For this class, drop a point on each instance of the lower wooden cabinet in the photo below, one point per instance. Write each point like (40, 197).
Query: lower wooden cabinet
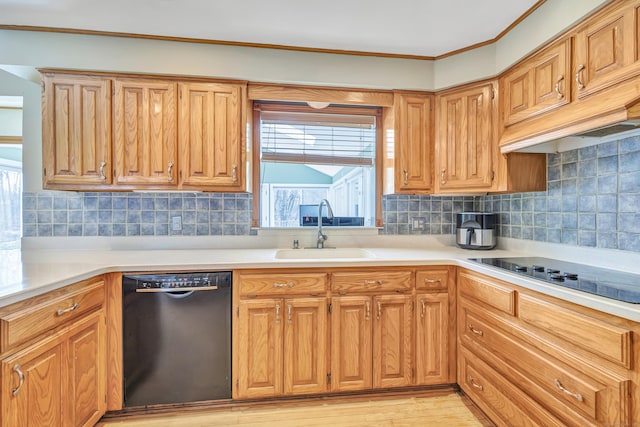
(58, 380)
(432, 338)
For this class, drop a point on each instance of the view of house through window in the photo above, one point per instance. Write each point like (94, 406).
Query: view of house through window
(308, 155)
(10, 171)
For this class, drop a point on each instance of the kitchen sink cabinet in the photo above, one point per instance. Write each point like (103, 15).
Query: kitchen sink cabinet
(432, 338)
(584, 373)
(57, 377)
(280, 347)
(414, 142)
(76, 131)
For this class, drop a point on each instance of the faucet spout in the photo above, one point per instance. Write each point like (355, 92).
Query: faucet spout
(321, 236)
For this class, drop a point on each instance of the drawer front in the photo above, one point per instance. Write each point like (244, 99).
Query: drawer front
(600, 338)
(498, 397)
(371, 281)
(282, 283)
(481, 290)
(584, 388)
(432, 279)
(22, 325)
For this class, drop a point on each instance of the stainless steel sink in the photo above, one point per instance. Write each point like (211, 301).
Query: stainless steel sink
(326, 253)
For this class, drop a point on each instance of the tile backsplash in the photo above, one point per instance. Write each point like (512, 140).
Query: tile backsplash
(592, 199)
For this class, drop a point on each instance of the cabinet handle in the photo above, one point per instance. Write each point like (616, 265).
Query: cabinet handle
(443, 181)
(170, 171)
(17, 370)
(379, 311)
(558, 384)
(277, 313)
(283, 285)
(423, 310)
(406, 176)
(473, 383)
(289, 308)
(432, 280)
(475, 331)
(373, 282)
(101, 171)
(367, 315)
(579, 76)
(68, 310)
(234, 173)
(557, 87)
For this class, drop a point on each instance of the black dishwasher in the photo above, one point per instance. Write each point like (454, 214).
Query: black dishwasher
(176, 337)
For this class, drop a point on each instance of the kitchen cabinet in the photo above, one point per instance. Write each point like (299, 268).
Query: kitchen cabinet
(211, 128)
(145, 142)
(579, 375)
(414, 142)
(371, 336)
(465, 141)
(76, 131)
(56, 376)
(281, 343)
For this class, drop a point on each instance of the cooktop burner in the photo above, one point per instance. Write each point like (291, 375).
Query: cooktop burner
(614, 284)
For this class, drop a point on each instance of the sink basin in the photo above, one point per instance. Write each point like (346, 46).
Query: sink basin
(326, 253)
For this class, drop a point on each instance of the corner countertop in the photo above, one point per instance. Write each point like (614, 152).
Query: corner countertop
(36, 270)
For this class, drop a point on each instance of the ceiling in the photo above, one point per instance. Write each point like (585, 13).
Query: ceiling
(427, 28)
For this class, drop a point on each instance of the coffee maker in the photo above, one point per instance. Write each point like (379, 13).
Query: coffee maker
(476, 230)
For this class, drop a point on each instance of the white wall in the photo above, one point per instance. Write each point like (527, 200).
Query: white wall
(84, 52)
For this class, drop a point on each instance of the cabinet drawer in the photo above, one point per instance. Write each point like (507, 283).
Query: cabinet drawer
(598, 337)
(367, 281)
(282, 283)
(481, 290)
(28, 322)
(432, 279)
(505, 404)
(582, 387)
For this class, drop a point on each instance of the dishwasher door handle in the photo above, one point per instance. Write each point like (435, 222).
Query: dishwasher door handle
(170, 290)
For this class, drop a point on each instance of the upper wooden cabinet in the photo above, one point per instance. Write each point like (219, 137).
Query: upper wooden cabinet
(145, 132)
(76, 130)
(167, 133)
(606, 50)
(538, 84)
(211, 126)
(465, 142)
(414, 141)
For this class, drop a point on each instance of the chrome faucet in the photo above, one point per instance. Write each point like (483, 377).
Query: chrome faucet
(321, 236)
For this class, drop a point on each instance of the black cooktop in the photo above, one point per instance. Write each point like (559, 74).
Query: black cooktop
(614, 284)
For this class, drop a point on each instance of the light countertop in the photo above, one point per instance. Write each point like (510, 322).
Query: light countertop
(42, 265)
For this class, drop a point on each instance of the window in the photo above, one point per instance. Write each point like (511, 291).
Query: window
(10, 195)
(304, 155)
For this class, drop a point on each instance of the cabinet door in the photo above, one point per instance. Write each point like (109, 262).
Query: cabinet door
(33, 386)
(145, 132)
(305, 346)
(211, 135)
(413, 130)
(392, 341)
(537, 85)
(606, 50)
(260, 346)
(432, 338)
(76, 125)
(464, 139)
(87, 370)
(351, 348)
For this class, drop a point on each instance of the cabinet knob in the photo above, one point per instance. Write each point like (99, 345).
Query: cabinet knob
(234, 173)
(68, 310)
(560, 387)
(367, 314)
(170, 171)
(379, 311)
(472, 381)
(423, 310)
(475, 331)
(283, 285)
(277, 313)
(557, 87)
(406, 176)
(579, 76)
(101, 171)
(442, 176)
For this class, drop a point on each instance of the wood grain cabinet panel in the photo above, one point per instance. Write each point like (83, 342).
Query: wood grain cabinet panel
(414, 142)
(465, 141)
(283, 284)
(606, 50)
(145, 133)
(211, 135)
(432, 338)
(537, 85)
(392, 334)
(482, 289)
(371, 281)
(76, 131)
(432, 279)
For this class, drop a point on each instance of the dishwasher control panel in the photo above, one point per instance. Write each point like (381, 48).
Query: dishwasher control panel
(177, 280)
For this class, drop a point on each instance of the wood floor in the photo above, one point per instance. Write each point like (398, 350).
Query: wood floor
(449, 409)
